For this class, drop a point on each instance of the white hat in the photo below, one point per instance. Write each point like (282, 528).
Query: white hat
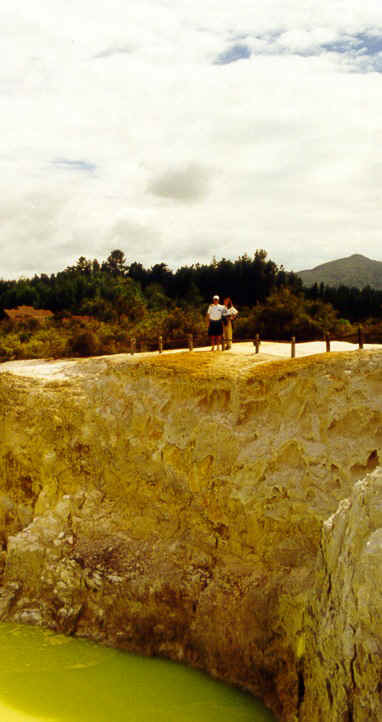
(215, 297)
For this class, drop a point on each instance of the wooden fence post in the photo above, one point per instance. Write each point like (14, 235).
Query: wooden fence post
(360, 337)
(190, 342)
(160, 344)
(141, 346)
(327, 341)
(133, 346)
(293, 347)
(256, 343)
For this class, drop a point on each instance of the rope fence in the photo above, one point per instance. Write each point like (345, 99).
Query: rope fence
(192, 341)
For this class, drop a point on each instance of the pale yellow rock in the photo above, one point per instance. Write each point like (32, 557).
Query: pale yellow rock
(175, 505)
(343, 668)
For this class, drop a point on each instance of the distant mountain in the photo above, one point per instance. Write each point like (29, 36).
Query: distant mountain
(356, 270)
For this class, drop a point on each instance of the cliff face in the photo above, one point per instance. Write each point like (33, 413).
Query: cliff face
(175, 506)
(344, 612)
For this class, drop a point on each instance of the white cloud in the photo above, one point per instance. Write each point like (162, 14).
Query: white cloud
(118, 123)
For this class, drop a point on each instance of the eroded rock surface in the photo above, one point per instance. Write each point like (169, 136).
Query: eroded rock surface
(343, 669)
(175, 505)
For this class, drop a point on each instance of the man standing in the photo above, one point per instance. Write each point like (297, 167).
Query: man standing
(215, 325)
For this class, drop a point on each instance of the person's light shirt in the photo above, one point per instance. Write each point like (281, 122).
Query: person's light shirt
(215, 311)
(230, 312)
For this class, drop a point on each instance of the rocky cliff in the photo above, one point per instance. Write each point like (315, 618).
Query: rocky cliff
(343, 622)
(175, 505)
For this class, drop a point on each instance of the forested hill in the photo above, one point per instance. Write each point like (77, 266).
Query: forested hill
(354, 271)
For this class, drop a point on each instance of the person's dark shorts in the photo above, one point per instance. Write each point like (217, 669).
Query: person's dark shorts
(215, 328)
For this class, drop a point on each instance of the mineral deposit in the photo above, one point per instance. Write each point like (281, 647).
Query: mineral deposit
(206, 508)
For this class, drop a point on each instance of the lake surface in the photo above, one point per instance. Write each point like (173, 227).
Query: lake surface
(45, 677)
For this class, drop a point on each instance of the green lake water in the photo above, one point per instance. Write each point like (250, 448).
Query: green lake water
(45, 677)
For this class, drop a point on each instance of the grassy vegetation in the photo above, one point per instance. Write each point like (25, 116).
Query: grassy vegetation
(283, 315)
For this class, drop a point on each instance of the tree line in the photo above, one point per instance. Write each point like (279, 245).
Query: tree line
(352, 303)
(108, 289)
(113, 287)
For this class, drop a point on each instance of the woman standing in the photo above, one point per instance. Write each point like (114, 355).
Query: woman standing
(215, 325)
(229, 314)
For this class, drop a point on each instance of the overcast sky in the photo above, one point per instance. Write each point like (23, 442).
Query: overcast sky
(177, 130)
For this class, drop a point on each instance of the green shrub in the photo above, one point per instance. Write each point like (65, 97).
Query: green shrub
(84, 343)
(24, 337)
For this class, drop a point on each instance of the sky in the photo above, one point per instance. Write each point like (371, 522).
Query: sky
(180, 130)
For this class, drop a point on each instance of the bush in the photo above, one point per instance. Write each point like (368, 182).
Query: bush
(24, 337)
(344, 328)
(84, 343)
(286, 314)
(6, 353)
